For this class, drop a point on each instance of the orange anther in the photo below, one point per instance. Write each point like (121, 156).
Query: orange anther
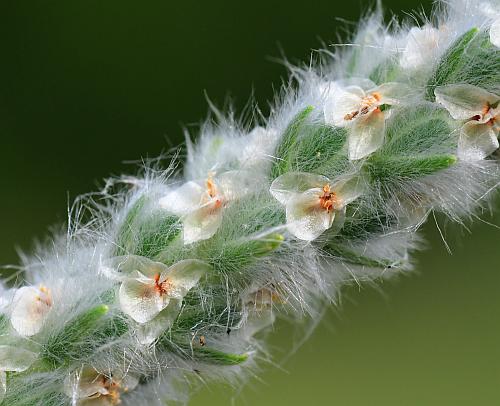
(211, 189)
(327, 198)
(162, 287)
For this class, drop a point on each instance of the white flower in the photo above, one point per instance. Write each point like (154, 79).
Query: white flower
(30, 308)
(151, 293)
(421, 47)
(314, 203)
(13, 359)
(201, 203)
(92, 388)
(479, 135)
(495, 33)
(359, 109)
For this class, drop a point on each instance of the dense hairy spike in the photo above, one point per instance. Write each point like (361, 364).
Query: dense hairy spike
(175, 275)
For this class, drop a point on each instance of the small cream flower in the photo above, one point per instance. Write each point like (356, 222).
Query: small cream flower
(30, 308)
(314, 203)
(480, 109)
(359, 109)
(421, 47)
(151, 293)
(93, 388)
(201, 204)
(13, 359)
(495, 33)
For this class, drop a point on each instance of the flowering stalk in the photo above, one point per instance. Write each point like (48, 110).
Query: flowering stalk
(177, 276)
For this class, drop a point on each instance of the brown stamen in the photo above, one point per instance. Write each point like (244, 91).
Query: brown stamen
(162, 287)
(211, 189)
(350, 116)
(212, 193)
(486, 109)
(327, 199)
(113, 389)
(45, 297)
(367, 103)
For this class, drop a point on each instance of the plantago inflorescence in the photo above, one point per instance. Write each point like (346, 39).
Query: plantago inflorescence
(179, 275)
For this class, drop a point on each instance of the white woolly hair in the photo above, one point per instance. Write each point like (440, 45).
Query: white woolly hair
(220, 331)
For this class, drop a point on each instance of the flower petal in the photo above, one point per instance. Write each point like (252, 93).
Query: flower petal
(347, 190)
(29, 312)
(202, 223)
(495, 33)
(341, 101)
(306, 219)
(184, 199)
(257, 321)
(140, 300)
(147, 333)
(477, 141)
(464, 101)
(185, 275)
(392, 92)
(15, 359)
(357, 85)
(84, 384)
(338, 221)
(235, 184)
(286, 186)
(131, 266)
(367, 135)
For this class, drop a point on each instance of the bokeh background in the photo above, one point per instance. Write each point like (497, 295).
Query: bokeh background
(88, 85)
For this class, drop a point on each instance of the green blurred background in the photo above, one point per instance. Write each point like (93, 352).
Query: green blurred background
(87, 85)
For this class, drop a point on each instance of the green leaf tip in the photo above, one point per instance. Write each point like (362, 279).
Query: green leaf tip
(354, 258)
(217, 357)
(155, 234)
(74, 339)
(450, 63)
(388, 169)
(101, 310)
(288, 139)
(268, 244)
